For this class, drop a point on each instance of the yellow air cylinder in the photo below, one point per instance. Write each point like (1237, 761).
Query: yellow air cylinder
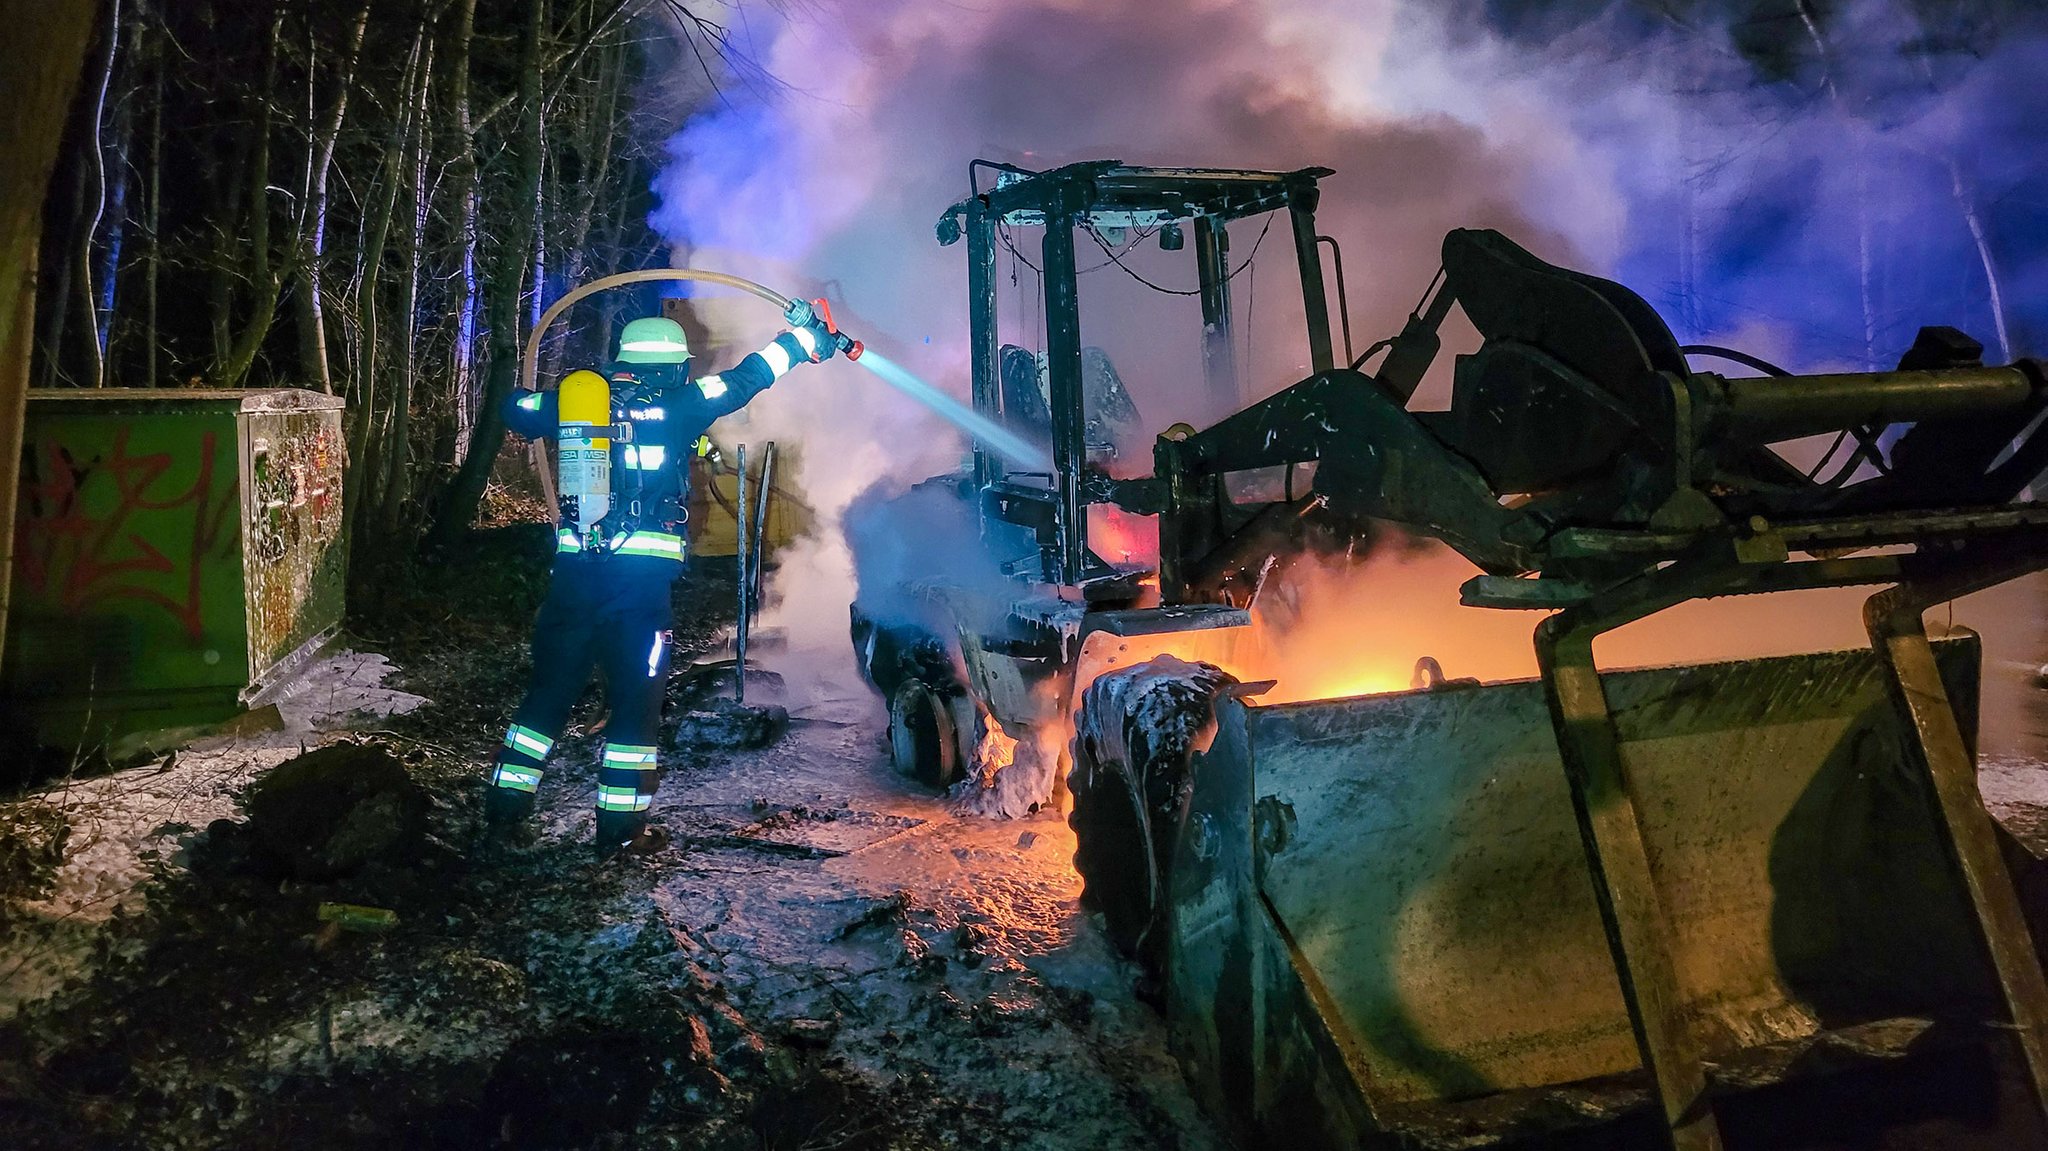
(584, 451)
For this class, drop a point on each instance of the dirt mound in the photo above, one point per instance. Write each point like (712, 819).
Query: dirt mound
(331, 812)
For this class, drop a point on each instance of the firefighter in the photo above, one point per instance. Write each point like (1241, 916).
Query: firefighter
(620, 546)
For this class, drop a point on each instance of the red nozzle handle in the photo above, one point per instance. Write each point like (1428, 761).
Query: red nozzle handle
(847, 345)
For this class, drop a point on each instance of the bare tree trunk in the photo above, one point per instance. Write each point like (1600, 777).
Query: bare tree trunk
(362, 447)
(1859, 153)
(1964, 191)
(242, 351)
(57, 321)
(615, 257)
(550, 349)
(398, 444)
(534, 304)
(312, 242)
(1864, 263)
(95, 362)
(466, 492)
(1691, 81)
(153, 215)
(470, 285)
(1966, 203)
(47, 42)
(119, 172)
(220, 292)
(598, 133)
(605, 129)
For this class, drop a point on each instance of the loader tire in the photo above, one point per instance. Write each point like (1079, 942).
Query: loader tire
(1114, 852)
(923, 742)
(889, 654)
(1131, 780)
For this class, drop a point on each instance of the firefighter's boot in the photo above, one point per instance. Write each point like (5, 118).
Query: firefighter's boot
(504, 807)
(515, 780)
(616, 829)
(625, 792)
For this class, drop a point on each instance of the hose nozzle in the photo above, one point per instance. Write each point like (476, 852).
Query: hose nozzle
(802, 312)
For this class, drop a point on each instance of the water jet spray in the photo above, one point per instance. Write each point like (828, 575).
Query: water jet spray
(797, 312)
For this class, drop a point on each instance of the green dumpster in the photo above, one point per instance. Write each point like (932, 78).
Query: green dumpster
(176, 552)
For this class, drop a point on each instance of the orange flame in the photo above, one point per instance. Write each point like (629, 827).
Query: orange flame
(1333, 627)
(1329, 628)
(995, 750)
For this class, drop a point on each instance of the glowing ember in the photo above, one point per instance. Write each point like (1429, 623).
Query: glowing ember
(1121, 537)
(1328, 628)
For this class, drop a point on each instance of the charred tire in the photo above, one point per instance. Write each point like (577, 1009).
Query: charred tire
(923, 742)
(890, 654)
(1114, 852)
(1131, 782)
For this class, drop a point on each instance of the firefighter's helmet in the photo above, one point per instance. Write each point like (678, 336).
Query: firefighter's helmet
(653, 340)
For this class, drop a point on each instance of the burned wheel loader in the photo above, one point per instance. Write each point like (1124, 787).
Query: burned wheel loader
(1596, 908)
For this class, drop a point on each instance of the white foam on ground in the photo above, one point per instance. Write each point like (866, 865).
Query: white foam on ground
(342, 691)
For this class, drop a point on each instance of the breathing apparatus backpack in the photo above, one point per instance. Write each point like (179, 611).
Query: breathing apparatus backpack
(584, 453)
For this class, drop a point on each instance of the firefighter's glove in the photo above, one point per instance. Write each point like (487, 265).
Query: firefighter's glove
(818, 340)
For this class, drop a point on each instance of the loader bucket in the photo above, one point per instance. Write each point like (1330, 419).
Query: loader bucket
(1382, 925)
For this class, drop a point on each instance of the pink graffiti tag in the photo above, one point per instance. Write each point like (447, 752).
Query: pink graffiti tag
(81, 560)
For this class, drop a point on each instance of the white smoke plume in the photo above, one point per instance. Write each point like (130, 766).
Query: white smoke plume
(1795, 214)
(833, 184)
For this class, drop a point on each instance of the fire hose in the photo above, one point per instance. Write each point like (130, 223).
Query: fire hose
(796, 311)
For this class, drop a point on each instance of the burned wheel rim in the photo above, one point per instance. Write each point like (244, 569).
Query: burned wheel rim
(922, 742)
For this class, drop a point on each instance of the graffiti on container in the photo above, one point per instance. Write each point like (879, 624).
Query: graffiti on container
(296, 483)
(296, 501)
(80, 550)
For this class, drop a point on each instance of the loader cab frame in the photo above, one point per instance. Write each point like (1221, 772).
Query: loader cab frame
(1100, 195)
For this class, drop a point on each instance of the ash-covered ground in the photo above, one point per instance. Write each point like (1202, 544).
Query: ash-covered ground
(820, 958)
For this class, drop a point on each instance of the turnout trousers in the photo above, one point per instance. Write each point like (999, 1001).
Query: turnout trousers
(614, 613)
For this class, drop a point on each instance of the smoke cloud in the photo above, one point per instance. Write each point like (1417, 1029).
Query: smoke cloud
(1810, 193)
